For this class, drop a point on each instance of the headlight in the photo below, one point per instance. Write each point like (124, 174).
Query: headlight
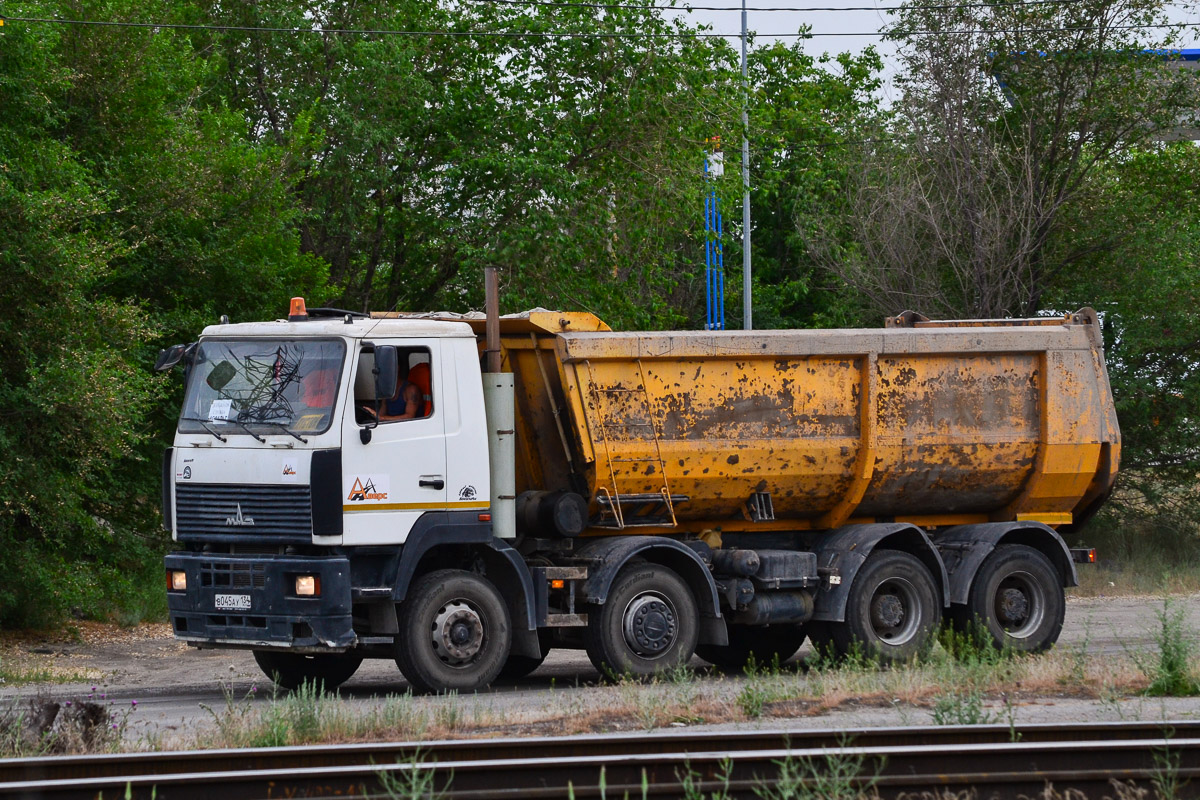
(176, 581)
(308, 585)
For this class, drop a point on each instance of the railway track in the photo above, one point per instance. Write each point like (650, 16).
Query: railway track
(896, 761)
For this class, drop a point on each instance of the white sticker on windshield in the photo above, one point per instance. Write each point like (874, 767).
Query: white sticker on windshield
(219, 410)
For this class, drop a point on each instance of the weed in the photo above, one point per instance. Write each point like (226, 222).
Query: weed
(644, 702)
(448, 714)
(961, 708)
(692, 782)
(1165, 779)
(837, 775)
(414, 780)
(1079, 656)
(603, 787)
(753, 698)
(1172, 673)
(1010, 717)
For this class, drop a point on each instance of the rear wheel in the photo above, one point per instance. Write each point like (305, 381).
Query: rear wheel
(764, 643)
(454, 632)
(892, 611)
(649, 624)
(291, 670)
(1017, 598)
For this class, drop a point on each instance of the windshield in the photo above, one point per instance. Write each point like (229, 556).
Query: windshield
(262, 386)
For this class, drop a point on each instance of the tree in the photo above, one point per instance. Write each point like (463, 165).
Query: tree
(806, 115)
(556, 152)
(130, 215)
(1007, 113)
(1149, 299)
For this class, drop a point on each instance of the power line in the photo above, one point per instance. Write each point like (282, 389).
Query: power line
(562, 34)
(623, 6)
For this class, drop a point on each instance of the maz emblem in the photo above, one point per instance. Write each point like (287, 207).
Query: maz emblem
(238, 520)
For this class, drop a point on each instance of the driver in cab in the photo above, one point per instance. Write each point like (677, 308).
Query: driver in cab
(405, 403)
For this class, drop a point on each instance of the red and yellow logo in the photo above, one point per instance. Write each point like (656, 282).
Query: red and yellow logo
(365, 491)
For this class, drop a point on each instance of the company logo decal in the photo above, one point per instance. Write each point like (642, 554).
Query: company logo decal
(467, 493)
(187, 473)
(288, 470)
(365, 489)
(237, 520)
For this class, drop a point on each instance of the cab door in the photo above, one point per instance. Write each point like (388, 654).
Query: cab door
(400, 473)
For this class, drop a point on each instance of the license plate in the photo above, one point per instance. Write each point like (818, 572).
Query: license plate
(233, 602)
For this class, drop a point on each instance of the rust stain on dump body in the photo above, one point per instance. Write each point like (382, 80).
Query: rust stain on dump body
(920, 420)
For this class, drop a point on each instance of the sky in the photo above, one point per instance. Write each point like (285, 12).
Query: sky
(825, 23)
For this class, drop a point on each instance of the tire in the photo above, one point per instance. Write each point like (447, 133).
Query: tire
(893, 609)
(765, 643)
(291, 670)
(454, 632)
(1017, 598)
(649, 624)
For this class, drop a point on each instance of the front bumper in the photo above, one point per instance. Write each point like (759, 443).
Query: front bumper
(259, 607)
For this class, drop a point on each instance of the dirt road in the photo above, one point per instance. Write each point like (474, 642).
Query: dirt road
(170, 681)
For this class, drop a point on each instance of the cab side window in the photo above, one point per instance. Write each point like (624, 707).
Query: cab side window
(412, 397)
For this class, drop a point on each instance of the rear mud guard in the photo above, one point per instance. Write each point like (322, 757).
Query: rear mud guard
(841, 553)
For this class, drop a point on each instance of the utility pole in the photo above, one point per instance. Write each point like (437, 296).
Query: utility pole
(747, 323)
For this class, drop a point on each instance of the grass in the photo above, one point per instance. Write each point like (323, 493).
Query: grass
(956, 684)
(959, 682)
(309, 715)
(18, 674)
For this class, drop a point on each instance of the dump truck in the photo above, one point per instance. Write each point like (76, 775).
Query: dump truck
(643, 496)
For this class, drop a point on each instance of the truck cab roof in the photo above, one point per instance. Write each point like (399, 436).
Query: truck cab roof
(355, 328)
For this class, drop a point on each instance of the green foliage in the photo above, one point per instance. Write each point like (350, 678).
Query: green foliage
(129, 215)
(1143, 239)
(413, 781)
(961, 708)
(837, 775)
(807, 114)
(1174, 672)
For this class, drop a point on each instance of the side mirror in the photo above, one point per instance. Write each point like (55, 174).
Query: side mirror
(221, 375)
(387, 367)
(169, 357)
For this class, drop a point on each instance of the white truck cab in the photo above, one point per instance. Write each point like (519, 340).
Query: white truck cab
(305, 486)
(264, 398)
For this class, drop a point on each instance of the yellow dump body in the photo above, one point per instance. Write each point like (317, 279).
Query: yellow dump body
(937, 423)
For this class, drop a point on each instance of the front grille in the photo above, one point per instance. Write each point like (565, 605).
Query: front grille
(243, 511)
(227, 575)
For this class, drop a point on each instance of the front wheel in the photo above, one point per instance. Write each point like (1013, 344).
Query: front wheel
(1017, 597)
(892, 611)
(291, 670)
(454, 632)
(649, 624)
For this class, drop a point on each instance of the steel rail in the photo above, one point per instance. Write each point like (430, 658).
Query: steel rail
(994, 770)
(157, 763)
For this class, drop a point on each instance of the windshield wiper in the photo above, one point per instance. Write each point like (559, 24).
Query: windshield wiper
(247, 429)
(283, 426)
(204, 424)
